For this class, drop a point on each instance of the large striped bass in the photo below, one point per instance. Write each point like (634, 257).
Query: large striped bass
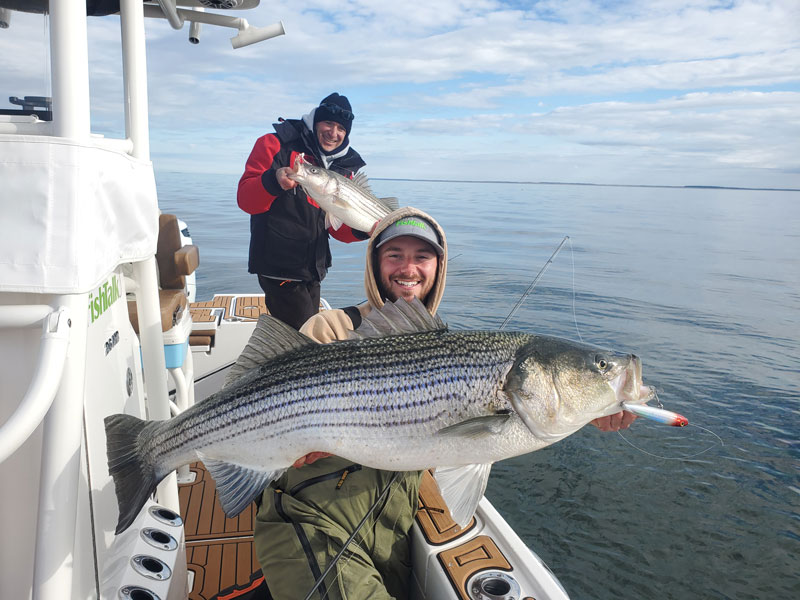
(406, 394)
(348, 201)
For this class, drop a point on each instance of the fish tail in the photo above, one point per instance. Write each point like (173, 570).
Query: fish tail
(135, 479)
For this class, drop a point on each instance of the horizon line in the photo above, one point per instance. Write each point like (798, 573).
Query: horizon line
(641, 185)
(638, 185)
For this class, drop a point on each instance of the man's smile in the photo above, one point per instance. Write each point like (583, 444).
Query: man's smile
(407, 282)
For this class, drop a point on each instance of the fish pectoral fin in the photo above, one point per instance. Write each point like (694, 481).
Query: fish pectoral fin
(477, 426)
(269, 339)
(462, 489)
(238, 486)
(332, 221)
(390, 202)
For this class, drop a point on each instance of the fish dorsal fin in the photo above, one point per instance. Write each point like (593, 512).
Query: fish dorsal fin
(462, 489)
(390, 202)
(362, 181)
(237, 486)
(270, 339)
(395, 318)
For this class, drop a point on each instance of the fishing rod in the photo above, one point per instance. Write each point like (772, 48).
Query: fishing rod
(336, 558)
(534, 282)
(658, 414)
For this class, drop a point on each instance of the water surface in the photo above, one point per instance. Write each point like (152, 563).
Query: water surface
(703, 284)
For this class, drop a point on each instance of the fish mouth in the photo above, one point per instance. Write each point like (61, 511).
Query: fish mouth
(299, 169)
(628, 386)
(298, 174)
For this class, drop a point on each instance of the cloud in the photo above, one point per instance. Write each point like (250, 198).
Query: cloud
(751, 129)
(686, 89)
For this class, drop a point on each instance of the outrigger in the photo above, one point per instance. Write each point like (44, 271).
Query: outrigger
(96, 318)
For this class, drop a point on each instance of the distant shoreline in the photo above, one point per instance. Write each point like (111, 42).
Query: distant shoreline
(632, 185)
(626, 185)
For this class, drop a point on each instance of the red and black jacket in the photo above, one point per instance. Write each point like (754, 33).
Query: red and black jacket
(288, 237)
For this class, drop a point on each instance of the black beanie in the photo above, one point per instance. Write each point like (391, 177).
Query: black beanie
(335, 108)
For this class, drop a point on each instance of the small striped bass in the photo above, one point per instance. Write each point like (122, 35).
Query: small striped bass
(348, 201)
(405, 394)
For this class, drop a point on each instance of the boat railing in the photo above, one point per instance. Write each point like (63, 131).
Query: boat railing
(31, 411)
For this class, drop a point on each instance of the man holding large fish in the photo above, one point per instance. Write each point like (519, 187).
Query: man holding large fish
(403, 395)
(289, 250)
(307, 515)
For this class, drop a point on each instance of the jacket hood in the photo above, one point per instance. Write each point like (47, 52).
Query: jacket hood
(370, 283)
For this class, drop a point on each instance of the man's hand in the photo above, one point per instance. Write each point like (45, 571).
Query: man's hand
(282, 176)
(310, 458)
(621, 420)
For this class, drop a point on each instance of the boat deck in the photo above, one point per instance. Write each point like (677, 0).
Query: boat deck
(219, 550)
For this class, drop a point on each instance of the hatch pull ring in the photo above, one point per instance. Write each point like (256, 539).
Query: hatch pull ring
(47, 376)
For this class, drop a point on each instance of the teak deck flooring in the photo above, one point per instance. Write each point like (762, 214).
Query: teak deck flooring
(219, 551)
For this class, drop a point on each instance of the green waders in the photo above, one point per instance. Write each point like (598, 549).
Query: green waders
(307, 515)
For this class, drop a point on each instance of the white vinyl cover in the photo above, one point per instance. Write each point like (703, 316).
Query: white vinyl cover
(70, 213)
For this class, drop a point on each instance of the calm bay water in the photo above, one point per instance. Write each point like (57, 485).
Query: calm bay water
(704, 285)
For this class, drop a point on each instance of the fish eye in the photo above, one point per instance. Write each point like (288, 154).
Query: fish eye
(601, 363)
(314, 170)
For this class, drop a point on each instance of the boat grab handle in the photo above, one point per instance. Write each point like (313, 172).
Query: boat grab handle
(47, 376)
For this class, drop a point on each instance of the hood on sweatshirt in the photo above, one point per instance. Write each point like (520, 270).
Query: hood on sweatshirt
(374, 295)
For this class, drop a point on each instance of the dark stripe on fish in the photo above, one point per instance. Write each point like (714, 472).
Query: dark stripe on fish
(420, 358)
(251, 422)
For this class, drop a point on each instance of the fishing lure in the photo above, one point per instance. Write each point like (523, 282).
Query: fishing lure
(667, 417)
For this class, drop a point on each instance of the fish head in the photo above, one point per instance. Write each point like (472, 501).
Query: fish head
(315, 180)
(557, 386)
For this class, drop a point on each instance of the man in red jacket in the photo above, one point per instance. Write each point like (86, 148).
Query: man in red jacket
(289, 248)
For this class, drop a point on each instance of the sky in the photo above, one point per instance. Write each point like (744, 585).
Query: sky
(671, 92)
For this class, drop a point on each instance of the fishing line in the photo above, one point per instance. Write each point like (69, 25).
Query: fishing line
(719, 442)
(574, 295)
(357, 530)
(353, 535)
(534, 282)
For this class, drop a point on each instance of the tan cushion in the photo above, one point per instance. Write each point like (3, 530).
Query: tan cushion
(169, 242)
(200, 340)
(186, 260)
(172, 302)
